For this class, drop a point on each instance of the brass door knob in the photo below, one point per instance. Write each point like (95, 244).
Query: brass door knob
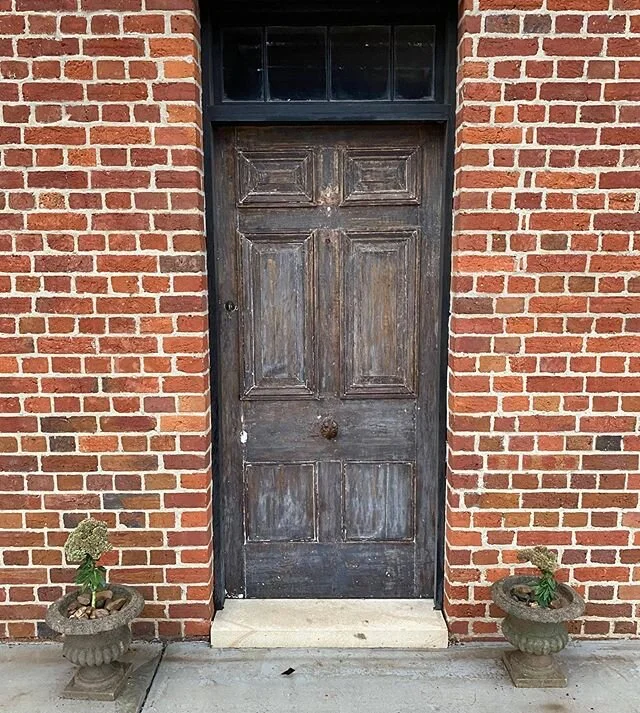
(329, 428)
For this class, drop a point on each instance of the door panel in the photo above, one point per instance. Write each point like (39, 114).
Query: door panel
(379, 304)
(366, 430)
(388, 176)
(280, 502)
(277, 312)
(331, 570)
(268, 178)
(328, 239)
(378, 500)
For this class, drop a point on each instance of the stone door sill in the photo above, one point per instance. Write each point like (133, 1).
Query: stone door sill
(329, 623)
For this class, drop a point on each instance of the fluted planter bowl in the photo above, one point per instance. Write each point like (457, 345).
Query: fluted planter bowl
(536, 632)
(96, 645)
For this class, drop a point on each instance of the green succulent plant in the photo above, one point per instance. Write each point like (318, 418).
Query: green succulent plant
(86, 544)
(546, 588)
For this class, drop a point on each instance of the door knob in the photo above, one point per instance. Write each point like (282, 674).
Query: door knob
(329, 428)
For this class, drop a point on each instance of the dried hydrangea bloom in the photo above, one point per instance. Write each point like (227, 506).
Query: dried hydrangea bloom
(540, 557)
(91, 538)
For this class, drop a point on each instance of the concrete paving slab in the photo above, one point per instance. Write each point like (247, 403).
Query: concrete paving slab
(604, 677)
(329, 623)
(33, 676)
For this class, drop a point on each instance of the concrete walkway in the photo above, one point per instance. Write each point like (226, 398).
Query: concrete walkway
(32, 677)
(604, 677)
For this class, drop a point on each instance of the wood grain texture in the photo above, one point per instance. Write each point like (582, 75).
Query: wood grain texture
(267, 178)
(318, 570)
(387, 176)
(378, 501)
(368, 429)
(277, 315)
(379, 323)
(230, 425)
(280, 501)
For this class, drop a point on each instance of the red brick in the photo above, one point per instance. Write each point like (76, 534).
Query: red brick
(114, 47)
(620, 135)
(551, 384)
(120, 91)
(127, 423)
(46, 47)
(623, 47)
(610, 461)
(135, 463)
(572, 47)
(600, 574)
(490, 47)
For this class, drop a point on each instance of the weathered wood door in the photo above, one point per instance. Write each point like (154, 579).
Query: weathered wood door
(327, 261)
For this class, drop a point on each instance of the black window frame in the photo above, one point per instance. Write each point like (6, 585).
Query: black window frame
(399, 13)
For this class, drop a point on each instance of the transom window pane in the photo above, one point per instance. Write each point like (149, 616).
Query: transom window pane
(242, 63)
(335, 64)
(360, 63)
(414, 47)
(296, 61)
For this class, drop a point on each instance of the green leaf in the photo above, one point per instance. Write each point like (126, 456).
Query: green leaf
(83, 572)
(89, 576)
(546, 590)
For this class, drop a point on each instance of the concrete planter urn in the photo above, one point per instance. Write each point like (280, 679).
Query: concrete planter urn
(95, 645)
(536, 632)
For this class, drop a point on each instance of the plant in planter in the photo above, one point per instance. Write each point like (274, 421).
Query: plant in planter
(94, 620)
(86, 544)
(537, 610)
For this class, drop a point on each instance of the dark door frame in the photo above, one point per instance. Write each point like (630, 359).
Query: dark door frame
(444, 113)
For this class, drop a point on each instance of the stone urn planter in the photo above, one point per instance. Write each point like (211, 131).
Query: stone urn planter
(95, 645)
(536, 632)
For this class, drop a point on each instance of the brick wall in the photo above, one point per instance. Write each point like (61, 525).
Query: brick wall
(104, 402)
(544, 367)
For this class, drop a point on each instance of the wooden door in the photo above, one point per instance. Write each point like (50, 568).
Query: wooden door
(327, 245)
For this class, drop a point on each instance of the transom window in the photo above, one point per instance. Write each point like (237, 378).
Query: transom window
(358, 63)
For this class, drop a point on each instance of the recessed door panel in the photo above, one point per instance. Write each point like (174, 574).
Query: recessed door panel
(390, 176)
(280, 178)
(378, 501)
(379, 316)
(280, 500)
(277, 315)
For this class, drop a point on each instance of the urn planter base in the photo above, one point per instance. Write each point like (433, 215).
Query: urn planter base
(96, 645)
(530, 671)
(98, 683)
(536, 632)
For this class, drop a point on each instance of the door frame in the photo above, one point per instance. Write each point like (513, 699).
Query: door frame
(445, 114)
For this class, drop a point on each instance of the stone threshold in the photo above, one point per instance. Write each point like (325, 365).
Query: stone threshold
(329, 623)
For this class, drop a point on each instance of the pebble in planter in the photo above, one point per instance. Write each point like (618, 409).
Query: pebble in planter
(537, 609)
(95, 621)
